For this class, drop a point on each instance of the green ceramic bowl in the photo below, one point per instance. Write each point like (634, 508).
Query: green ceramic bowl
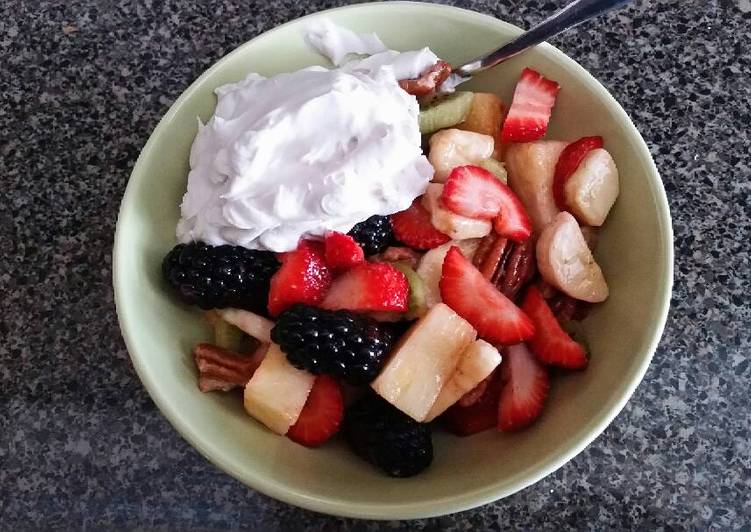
(635, 252)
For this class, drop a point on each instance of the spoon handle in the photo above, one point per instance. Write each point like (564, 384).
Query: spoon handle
(574, 13)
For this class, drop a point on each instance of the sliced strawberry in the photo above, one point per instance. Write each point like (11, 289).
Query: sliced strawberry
(473, 192)
(525, 388)
(342, 252)
(481, 415)
(369, 287)
(569, 160)
(413, 228)
(551, 344)
(477, 300)
(322, 414)
(476, 193)
(534, 98)
(302, 278)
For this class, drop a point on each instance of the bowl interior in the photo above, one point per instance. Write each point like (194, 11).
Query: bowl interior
(635, 252)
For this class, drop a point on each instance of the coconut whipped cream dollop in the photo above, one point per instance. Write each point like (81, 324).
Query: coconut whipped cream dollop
(299, 154)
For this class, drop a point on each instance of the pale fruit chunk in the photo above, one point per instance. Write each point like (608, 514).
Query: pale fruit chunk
(455, 226)
(430, 268)
(256, 326)
(593, 188)
(565, 261)
(450, 148)
(423, 360)
(485, 115)
(277, 392)
(475, 364)
(531, 169)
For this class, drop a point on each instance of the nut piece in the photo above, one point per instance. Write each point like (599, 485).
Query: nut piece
(509, 266)
(428, 81)
(490, 254)
(518, 269)
(223, 370)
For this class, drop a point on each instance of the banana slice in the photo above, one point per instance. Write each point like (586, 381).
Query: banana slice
(593, 188)
(565, 261)
(450, 148)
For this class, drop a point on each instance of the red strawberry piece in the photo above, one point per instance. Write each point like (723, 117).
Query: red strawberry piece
(568, 161)
(369, 287)
(476, 193)
(481, 415)
(322, 414)
(342, 252)
(534, 98)
(302, 278)
(413, 228)
(477, 300)
(525, 388)
(550, 343)
(473, 192)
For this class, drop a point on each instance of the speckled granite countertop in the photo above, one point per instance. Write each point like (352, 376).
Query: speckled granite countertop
(82, 84)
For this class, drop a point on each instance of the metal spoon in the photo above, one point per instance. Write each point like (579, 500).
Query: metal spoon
(573, 14)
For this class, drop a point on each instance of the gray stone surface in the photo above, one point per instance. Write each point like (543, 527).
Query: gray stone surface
(81, 444)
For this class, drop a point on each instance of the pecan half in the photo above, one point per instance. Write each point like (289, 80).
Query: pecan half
(428, 80)
(506, 264)
(489, 254)
(220, 369)
(519, 269)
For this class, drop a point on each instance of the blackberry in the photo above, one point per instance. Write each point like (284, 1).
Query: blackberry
(220, 276)
(388, 438)
(374, 234)
(337, 343)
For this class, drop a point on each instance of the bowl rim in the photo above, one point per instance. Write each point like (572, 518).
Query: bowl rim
(433, 507)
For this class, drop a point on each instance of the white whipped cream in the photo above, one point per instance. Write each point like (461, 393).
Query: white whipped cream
(300, 154)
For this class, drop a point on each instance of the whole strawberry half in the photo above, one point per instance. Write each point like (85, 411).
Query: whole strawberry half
(413, 228)
(322, 414)
(476, 193)
(369, 287)
(528, 117)
(303, 277)
(525, 388)
(550, 343)
(477, 300)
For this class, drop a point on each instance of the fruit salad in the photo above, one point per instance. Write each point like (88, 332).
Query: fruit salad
(451, 313)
